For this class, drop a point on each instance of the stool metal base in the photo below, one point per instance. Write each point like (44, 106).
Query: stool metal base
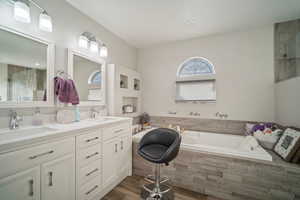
(146, 195)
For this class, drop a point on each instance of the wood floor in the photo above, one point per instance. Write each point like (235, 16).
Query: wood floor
(129, 189)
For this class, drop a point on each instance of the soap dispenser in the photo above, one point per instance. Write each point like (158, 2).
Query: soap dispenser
(37, 120)
(77, 114)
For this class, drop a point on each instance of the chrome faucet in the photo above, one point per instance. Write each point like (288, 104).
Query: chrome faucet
(94, 113)
(14, 120)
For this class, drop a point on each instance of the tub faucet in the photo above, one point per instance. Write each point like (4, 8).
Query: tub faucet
(14, 120)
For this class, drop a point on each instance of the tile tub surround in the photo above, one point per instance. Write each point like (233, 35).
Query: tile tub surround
(228, 178)
(205, 125)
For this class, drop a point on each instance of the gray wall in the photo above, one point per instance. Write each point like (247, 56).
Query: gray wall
(244, 71)
(287, 103)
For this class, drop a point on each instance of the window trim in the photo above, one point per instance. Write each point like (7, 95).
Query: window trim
(195, 78)
(92, 76)
(191, 58)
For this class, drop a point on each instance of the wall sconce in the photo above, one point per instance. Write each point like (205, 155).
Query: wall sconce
(22, 11)
(103, 51)
(94, 46)
(45, 22)
(22, 14)
(88, 41)
(83, 41)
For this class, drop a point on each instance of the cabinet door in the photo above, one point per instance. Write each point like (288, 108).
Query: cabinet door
(21, 186)
(58, 179)
(125, 154)
(110, 151)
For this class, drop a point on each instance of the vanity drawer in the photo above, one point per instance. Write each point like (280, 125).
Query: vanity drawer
(88, 139)
(88, 155)
(22, 159)
(113, 131)
(90, 189)
(89, 172)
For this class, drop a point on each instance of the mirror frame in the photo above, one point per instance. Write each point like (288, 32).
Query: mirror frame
(50, 72)
(96, 59)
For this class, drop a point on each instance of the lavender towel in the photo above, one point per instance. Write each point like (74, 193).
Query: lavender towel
(66, 91)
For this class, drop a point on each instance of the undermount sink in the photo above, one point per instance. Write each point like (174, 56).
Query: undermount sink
(26, 131)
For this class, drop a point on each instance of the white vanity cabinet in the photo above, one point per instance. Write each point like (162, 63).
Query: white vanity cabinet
(45, 172)
(57, 179)
(89, 165)
(117, 154)
(24, 185)
(84, 165)
(103, 158)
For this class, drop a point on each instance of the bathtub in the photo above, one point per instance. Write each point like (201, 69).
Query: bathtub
(219, 144)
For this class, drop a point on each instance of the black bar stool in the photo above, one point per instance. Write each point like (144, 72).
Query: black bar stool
(159, 146)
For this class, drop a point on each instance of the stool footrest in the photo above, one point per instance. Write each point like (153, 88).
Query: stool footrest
(152, 190)
(151, 179)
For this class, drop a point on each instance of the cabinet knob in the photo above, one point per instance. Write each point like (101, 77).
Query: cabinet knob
(91, 190)
(42, 154)
(91, 172)
(122, 146)
(31, 189)
(92, 155)
(50, 179)
(92, 139)
(116, 148)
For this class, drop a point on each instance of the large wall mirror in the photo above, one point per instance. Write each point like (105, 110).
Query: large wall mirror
(26, 69)
(88, 74)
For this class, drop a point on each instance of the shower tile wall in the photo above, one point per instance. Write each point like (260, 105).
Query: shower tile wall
(287, 50)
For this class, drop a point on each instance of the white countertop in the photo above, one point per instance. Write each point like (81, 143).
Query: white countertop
(11, 140)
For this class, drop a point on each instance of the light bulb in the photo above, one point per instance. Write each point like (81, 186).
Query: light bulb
(45, 22)
(94, 46)
(83, 42)
(22, 12)
(103, 51)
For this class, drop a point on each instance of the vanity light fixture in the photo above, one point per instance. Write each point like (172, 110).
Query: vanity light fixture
(88, 41)
(22, 14)
(83, 41)
(45, 22)
(22, 11)
(103, 51)
(94, 46)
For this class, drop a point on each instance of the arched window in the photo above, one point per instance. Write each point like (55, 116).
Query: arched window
(95, 78)
(195, 66)
(196, 80)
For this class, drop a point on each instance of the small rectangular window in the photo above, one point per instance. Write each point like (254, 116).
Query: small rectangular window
(200, 90)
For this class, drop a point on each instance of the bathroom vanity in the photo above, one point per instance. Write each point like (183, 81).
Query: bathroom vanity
(81, 161)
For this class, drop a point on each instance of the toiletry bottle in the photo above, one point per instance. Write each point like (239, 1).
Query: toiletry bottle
(77, 114)
(36, 119)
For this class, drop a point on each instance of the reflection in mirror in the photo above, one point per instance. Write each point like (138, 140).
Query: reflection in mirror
(88, 78)
(23, 69)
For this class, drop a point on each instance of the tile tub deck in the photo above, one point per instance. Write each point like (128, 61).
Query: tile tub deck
(227, 177)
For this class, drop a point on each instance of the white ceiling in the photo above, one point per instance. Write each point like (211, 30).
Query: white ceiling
(146, 22)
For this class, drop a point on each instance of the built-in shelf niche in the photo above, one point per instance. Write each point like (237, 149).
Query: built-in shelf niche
(136, 84)
(130, 101)
(123, 81)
